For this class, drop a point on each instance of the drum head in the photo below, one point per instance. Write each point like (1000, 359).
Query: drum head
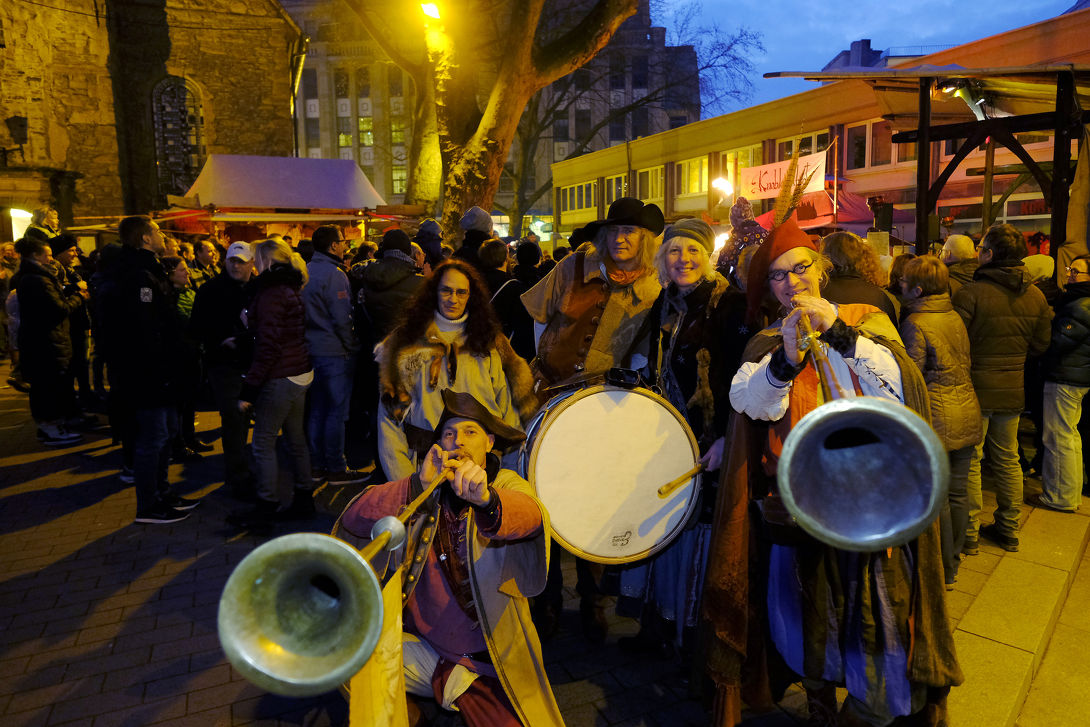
(597, 463)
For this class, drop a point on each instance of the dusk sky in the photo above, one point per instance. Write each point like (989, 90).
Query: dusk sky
(805, 35)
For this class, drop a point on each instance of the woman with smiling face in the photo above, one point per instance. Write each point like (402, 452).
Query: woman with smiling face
(448, 338)
(696, 347)
(872, 623)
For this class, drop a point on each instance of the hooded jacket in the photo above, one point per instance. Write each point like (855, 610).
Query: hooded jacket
(329, 308)
(385, 288)
(935, 338)
(277, 319)
(961, 273)
(1068, 357)
(216, 317)
(1007, 318)
(44, 338)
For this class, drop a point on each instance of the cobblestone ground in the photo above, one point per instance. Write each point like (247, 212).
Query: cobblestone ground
(107, 622)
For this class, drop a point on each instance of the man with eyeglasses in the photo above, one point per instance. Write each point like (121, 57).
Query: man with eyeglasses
(332, 343)
(1007, 318)
(1067, 381)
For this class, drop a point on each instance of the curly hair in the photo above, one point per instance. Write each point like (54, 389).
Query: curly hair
(481, 326)
(851, 254)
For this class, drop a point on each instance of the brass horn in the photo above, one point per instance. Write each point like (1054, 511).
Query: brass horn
(301, 614)
(861, 473)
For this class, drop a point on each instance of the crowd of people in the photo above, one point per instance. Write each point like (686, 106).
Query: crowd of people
(430, 358)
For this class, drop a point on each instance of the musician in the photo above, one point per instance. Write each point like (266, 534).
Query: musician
(473, 556)
(592, 313)
(873, 623)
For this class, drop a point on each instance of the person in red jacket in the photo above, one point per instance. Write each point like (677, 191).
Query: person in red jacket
(275, 386)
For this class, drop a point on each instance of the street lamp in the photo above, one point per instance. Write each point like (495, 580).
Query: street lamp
(430, 9)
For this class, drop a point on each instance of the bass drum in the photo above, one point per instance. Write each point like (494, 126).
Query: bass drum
(596, 458)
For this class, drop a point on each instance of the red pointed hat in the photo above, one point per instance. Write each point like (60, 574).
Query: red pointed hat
(785, 236)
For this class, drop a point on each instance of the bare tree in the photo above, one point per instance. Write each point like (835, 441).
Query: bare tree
(722, 73)
(483, 62)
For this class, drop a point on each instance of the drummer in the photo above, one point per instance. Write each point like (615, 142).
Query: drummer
(478, 549)
(591, 313)
(891, 648)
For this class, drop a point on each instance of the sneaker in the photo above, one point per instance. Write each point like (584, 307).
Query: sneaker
(198, 446)
(180, 503)
(53, 435)
(184, 454)
(83, 421)
(1038, 500)
(126, 475)
(161, 514)
(19, 385)
(348, 477)
(1008, 543)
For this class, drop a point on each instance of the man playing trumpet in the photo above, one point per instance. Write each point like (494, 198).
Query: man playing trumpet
(474, 554)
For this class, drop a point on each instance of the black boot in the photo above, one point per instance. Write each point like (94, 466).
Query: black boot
(301, 507)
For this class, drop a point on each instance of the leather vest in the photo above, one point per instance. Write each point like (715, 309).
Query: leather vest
(565, 343)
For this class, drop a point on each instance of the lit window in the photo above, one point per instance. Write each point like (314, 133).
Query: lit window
(367, 130)
(397, 130)
(692, 176)
(881, 143)
(856, 147)
(400, 178)
(344, 131)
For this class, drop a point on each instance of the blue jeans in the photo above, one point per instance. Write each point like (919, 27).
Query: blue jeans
(1001, 439)
(153, 429)
(279, 406)
(1063, 471)
(330, 396)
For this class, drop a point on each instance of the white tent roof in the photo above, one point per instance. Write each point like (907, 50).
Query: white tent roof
(231, 180)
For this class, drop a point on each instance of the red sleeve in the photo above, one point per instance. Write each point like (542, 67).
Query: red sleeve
(519, 517)
(374, 503)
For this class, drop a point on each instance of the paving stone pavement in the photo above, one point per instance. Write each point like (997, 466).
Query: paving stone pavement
(107, 622)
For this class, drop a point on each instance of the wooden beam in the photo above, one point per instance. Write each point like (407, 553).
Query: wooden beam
(1061, 159)
(924, 206)
(1013, 124)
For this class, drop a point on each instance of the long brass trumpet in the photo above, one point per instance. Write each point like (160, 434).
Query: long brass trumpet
(301, 614)
(859, 472)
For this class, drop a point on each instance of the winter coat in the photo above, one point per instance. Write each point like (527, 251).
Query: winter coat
(277, 319)
(386, 285)
(516, 323)
(413, 378)
(44, 309)
(1068, 358)
(141, 331)
(503, 575)
(471, 248)
(961, 273)
(852, 288)
(216, 317)
(936, 339)
(329, 308)
(1007, 319)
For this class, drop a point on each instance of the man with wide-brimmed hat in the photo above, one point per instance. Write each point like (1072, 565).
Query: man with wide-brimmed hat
(593, 313)
(474, 553)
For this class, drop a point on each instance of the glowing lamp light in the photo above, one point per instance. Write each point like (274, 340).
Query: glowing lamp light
(721, 240)
(430, 9)
(17, 214)
(723, 185)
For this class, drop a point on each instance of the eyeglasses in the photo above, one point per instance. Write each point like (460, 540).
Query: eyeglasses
(778, 276)
(1075, 272)
(446, 292)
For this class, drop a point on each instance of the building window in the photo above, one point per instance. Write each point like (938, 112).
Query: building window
(692, 176)
(582, 124)
(310, 83)
(639, 72)
(397, 130)
(579, 197)
(617, 129)
(507, 179)
(735, 160)
(363, 82)
(785, 149)
(640, 123)
(560, 130)
(395, 84)
(614, 188)
(368, 171)
(907, 152)
(616, 72)
(344, 131)
(649, 183)
(313, 133)
(366, 129)
(400, 179)
(806, 143)
(855, 147)
(881, 143)
(340, 83)
(582, 80)
(678, 121)
(179, 123)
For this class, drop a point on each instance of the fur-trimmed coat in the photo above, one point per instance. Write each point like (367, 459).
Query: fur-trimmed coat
(412, 378)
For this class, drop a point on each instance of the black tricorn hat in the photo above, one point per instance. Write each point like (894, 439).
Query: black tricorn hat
(466, 406)
(629, 211)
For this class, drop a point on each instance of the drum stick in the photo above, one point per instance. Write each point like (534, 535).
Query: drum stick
(667, 489)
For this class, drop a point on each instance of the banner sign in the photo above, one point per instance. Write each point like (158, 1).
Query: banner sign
(763, 182)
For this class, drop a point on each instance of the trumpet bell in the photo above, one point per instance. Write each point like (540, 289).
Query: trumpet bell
(301, 614)
(863, 474)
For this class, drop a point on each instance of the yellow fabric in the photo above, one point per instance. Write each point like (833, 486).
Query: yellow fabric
(377, 692)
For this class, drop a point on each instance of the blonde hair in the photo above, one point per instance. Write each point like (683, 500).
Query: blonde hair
(269, 252)
(648, 245)
(927, 272)
(707, 272)
(852, 254)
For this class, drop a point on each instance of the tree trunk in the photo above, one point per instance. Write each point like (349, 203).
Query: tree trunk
(425, 164)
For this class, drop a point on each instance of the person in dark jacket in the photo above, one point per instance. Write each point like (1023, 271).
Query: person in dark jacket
(143, 337)
(516, 323)
(227, 347)
(45, 345)
(936, 339)
(1007, 319)
(959, 256)
(388, 283)
(493, 259)
(478, 228)
(66, 254)
(1067, 381)
(857, 275)
(275, 386)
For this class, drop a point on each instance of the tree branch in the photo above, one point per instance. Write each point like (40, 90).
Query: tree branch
(573, 49)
